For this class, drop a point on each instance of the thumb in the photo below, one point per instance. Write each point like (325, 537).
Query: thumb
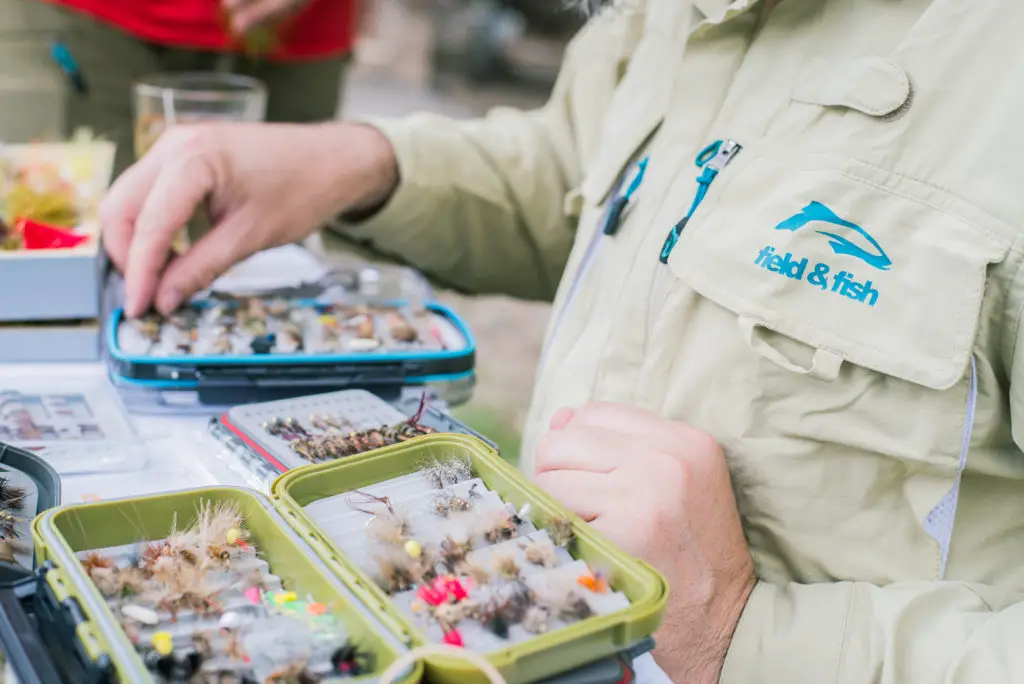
(226, 244)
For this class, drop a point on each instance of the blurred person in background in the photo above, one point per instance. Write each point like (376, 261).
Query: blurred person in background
(298, 48)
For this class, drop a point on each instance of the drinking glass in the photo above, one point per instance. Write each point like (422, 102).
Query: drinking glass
(188, 97)
(163, 100)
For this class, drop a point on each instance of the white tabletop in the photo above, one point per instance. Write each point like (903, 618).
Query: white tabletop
(174, 443)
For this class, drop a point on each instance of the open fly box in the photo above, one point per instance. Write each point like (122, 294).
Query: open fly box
(251, 348)
(627, 609)
(310, 559)
(125, 528)
(269, 438)
(28, 486)
(56, 187)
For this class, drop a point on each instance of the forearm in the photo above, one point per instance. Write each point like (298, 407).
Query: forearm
(481, 205)
(476, 204)
(358, 162)
(856, 633)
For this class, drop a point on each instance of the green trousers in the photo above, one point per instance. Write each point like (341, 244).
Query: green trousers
(37, 101)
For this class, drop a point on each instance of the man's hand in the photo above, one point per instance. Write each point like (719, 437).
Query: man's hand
(249, 14)
(661, 491)
(264, 185)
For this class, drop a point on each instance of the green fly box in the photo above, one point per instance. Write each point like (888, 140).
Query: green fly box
(308, 497)
(63, 535)
(536, 596)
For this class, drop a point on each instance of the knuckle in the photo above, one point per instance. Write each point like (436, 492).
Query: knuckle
(107, 212)
(200, 275)
(545, 451)
(672, 473)
(187, 142)
(703, 442)
(651, 526)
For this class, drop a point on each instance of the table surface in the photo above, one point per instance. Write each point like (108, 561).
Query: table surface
(191, 428)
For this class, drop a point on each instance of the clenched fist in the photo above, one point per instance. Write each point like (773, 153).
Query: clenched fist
(660, 490)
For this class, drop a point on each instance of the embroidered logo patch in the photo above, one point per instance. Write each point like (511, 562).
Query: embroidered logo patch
(820, 275)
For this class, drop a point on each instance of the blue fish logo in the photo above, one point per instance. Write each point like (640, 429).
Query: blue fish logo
(816, 211)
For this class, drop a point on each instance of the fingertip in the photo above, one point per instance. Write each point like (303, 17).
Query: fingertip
(138, 295)
(169, 299)
(132, 306)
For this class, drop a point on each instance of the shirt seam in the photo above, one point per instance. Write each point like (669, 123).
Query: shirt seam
(841, 655)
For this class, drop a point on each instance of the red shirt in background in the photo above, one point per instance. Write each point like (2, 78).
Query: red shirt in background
(324, 28)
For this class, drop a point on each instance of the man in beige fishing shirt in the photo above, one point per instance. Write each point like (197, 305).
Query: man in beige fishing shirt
(784, 245)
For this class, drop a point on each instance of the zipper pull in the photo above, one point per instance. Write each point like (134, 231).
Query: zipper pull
(619, 204)
(62, 56)
(712, 159)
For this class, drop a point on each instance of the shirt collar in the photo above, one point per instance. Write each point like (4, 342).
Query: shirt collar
(719, 11)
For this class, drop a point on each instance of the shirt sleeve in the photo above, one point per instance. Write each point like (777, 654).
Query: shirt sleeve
(480, 204)
(859, 633)
(646, 671)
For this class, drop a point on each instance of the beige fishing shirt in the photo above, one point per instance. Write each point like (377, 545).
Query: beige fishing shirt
(841, 311)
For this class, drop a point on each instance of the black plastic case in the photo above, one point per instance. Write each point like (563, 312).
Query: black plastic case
(37, 632)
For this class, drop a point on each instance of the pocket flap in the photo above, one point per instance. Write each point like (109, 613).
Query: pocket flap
(872, 85)
(836, 260)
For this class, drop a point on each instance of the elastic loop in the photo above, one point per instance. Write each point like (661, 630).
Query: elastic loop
(404, 661)
(824, 365)
(708, 152)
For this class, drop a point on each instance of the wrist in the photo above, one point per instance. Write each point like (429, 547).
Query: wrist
(368, 170)
(730, 612)
(698, 658)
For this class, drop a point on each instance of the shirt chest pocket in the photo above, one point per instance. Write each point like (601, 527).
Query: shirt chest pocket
(858, 298)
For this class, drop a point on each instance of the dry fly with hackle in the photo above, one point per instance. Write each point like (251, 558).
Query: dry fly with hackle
(560, 531)
(385, 524)
(9, 524)
(501, 527)
(396, 574)
(453, 553)
(447, 502)
(540, 552)
(443, 473)
(506, 567)
(11, 496)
